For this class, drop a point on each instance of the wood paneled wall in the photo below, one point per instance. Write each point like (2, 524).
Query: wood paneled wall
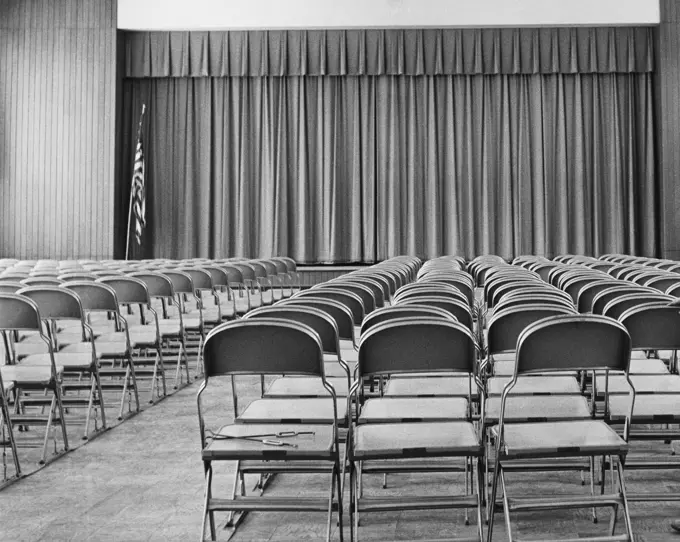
(668, 122)
(57, 128)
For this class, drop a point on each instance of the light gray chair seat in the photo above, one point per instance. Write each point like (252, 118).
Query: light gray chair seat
(104, 349)
(656, 408)
(506, 367)
(301, 386)
(413, 409)
(67, 360)
(535, 385)
(571, 438)
(29, 347)
(445, 386)
(536, 408)
(28, 374)
(307, 446)
(334, 369)
(395, 440)
(139, 336)
(290, 411)
(667, 383)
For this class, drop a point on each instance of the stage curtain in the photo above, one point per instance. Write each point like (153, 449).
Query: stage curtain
(436, 51)
(362, 168)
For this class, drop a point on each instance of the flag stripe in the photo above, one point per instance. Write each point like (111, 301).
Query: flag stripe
(138, 189)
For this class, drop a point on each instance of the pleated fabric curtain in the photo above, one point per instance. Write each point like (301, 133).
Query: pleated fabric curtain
(339, 169)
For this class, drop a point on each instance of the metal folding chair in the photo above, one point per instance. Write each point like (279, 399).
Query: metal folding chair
(410, 346)
(19, 313)
(555, 344)
(264, 347)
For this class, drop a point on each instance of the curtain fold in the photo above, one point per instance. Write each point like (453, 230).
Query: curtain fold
(359, 169)
(451, 51)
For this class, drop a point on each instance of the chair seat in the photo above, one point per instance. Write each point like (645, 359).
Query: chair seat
(104, 349)
(168, 327)
(293, 411)
(506, 367)
(537, 408)
(648, 366)
(32, 375)
(445, 386)
(66, 338)
(667, 383)
(536, 385)
(399, 440)
(333, 368)
(302, 386)
(413, 409)
(348, 353)
(212, 315)
(140, 336)
(560, 439)
(317, 445)
(26, 348)
(656, 408)
(70, 361)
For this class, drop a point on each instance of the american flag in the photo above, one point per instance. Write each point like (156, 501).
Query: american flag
(139, 192)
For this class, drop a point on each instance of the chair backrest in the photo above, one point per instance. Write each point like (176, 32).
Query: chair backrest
(201, 278)
(570, 343)
(217, 274)
(574, 285)
(587, 294)
(181, 281)
(616, 307)
(505, 327)
(344, 320)
(233, 273)
(379, 290)
(77, 277)
(663, 283)
(94, 296)
(653, 326)
(128, 290)
(351, 300)
(41, 281)
(10, 287)
(55, 303)
(601, 299)
(318, 320)
(262, 346)
(157, 284)
(247, 271)
(459, 309)
(289, 262)
(18, 313)
(420, 344)
(433, 291)
(403, 311)
(537, 297)
(364, 292)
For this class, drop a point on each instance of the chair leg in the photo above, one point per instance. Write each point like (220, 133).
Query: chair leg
(481, 481)
(338, 481)
(506, 505)
(50, 415)
(4, 414)
(354, 526)
(100, 395)
(90, 405)
(491, 505)
(60, 407)
(624, 498)
(207, 514)
(331, 495)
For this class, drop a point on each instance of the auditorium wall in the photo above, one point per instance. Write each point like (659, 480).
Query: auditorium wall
(57, 128)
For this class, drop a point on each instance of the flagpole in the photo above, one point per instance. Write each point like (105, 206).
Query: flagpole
(127, 240)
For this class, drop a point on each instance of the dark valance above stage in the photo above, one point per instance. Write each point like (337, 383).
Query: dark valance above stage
(389, 52)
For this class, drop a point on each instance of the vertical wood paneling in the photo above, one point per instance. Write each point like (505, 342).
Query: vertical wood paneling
(668, 81)
(57, 126)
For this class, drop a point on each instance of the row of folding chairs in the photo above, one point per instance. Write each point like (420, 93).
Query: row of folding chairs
(419, 341)
(98, 323)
